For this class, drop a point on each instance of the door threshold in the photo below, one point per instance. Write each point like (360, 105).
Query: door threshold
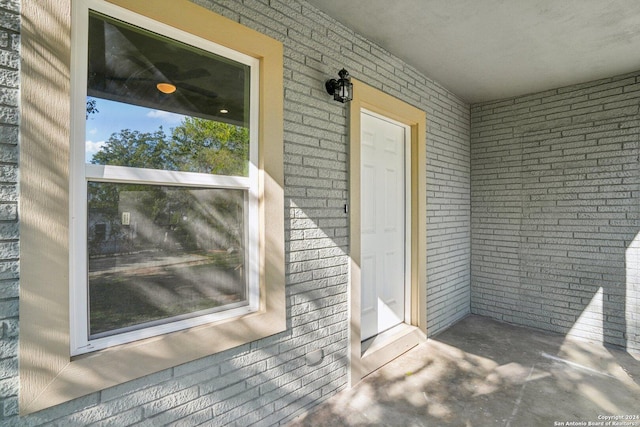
(383, 348)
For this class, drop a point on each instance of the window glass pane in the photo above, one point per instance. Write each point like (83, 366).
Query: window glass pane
(161, 253)
(155, 102)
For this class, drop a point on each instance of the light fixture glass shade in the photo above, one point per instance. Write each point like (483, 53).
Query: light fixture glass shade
(343, 91)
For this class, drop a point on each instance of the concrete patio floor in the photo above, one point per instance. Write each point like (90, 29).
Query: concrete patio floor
(481, 372)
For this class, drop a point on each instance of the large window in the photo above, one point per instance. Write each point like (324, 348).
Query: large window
(165, 192)
(152, 225)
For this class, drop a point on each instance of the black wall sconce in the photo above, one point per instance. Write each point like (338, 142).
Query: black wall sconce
(341, 89)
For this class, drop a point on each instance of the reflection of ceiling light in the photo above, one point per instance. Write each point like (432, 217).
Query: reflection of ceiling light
(166, 87)
(224, 111)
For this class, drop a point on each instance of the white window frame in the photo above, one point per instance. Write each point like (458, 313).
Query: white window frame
(81, 173)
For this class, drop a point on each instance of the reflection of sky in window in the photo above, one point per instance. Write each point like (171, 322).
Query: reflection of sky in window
(116, 116)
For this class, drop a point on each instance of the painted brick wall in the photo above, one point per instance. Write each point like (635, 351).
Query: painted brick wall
(267, 382)
(9, 235)
(556, 211)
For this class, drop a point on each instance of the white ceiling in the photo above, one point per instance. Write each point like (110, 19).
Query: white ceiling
(490, 49)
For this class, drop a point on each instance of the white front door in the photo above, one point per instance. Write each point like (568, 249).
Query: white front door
(383, 224)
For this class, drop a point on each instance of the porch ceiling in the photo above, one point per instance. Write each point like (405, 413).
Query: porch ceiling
(483, 50)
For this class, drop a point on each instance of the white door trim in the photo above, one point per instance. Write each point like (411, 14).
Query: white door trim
(389, 345)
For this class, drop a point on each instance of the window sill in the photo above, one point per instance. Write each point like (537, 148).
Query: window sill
(106, 368)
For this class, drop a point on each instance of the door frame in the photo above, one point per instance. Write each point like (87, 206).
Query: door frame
(390, 345)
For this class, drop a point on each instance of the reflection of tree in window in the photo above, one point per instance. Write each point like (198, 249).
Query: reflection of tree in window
(196, 145)
(182, 251)
(205, 146)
